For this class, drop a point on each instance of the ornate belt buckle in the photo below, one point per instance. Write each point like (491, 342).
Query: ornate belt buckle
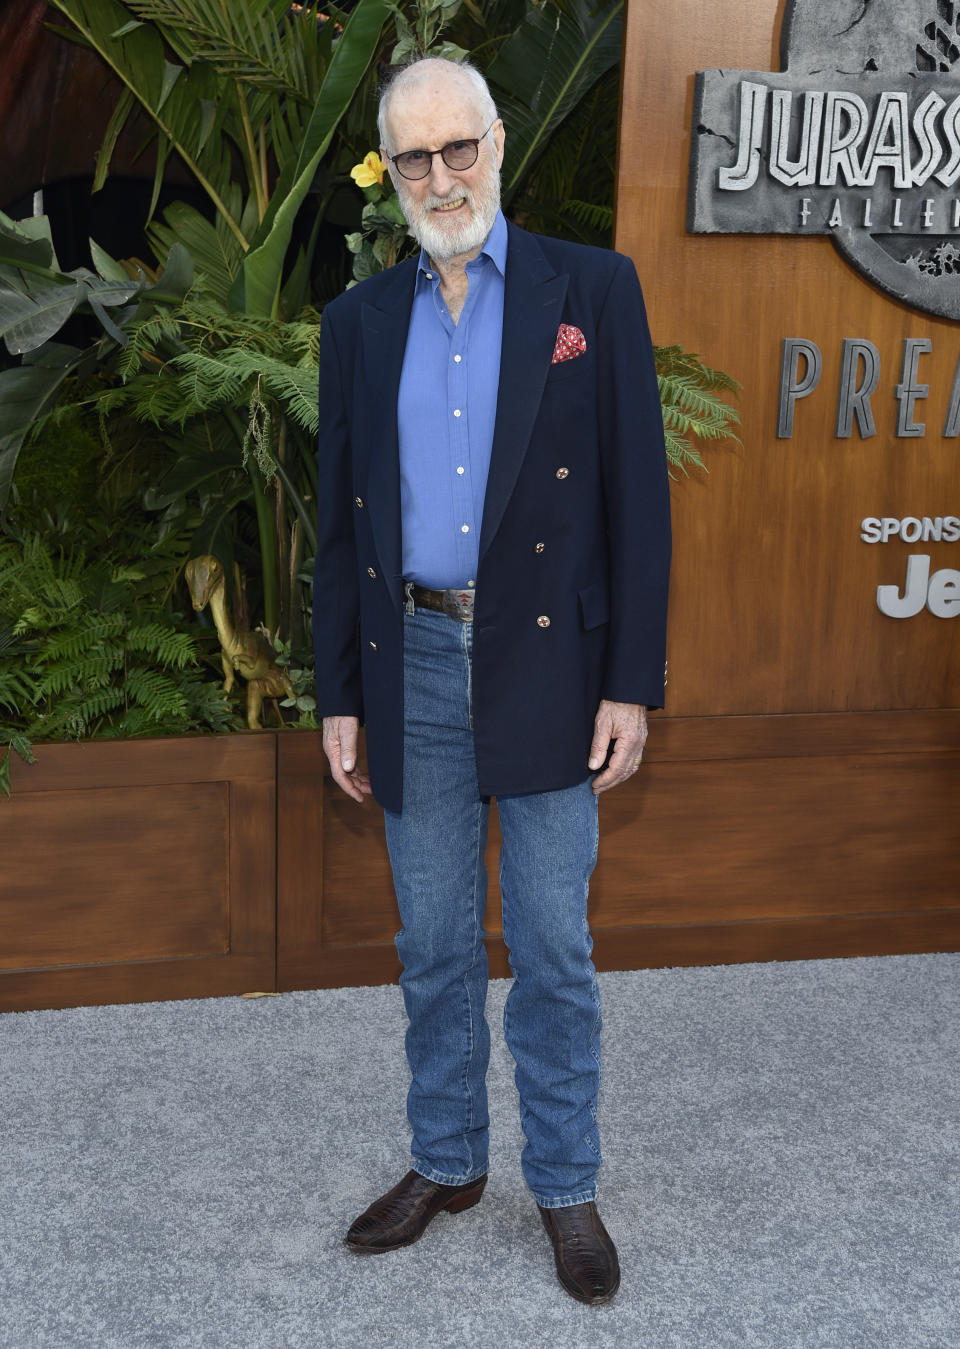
(459, 604)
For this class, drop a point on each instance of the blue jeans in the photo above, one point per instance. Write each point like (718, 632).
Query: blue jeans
(552, 1014)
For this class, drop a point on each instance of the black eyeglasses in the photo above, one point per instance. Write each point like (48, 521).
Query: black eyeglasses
(459, 155)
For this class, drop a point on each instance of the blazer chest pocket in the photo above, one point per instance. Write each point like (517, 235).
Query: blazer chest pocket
(573, 368)
(595, 605)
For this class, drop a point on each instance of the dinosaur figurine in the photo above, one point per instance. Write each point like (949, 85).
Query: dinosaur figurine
(249, 653)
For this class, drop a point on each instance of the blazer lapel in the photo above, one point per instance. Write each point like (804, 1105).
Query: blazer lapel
(384, 328)
(532, 305)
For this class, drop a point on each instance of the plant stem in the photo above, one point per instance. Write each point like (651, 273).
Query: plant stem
(266, 531)
(253, 159)
(268, 550)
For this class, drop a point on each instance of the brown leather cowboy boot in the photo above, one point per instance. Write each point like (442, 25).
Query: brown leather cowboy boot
(400, 1217)
(585, 1255)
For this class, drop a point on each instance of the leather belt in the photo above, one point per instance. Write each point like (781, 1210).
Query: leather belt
(453, 603)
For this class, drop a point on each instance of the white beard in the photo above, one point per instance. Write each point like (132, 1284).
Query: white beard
(444, 240)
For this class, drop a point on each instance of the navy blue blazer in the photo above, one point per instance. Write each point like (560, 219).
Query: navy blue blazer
(575, 527)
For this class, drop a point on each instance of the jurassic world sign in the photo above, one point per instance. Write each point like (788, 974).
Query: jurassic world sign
(858, 138)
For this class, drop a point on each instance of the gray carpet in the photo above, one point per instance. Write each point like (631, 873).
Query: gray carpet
(781, 1143)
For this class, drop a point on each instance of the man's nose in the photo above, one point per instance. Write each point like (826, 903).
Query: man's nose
(442, 179)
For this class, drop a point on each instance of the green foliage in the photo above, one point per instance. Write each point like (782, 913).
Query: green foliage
(248, 95)
(419, 34)
(88, 647)
(223, 359)
(36, 298)
(303, 683)
(689, 396)
(570, 189)
(544, 70)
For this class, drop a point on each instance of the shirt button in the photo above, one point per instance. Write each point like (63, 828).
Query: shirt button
(429, 275)
(538, 548)
(456, 412)
(471, 583)
(460, 470)
(464, 529)
(543, 621)
(563, 473)
(373, 646)
(359, 502)
(371, 573)
(458, 359)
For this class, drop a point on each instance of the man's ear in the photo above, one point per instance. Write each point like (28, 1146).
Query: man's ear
(499, 136)
(385, 159)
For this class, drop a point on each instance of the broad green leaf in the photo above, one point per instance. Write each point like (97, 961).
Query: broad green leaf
(171, 73)
(542, 71)
(257, 288)
(107, 267)
(26, 393)
(175, 279)
(188, 474)
(26, 243)
(118, 120)
(31, 315)
(215, 251)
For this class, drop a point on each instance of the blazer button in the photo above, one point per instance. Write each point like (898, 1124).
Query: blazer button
(539, 547)
(371, 573)
(359, 502)
(373, 646)
(543, 621)
(563, 473)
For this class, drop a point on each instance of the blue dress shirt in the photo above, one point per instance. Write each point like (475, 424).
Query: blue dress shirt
(446, 410)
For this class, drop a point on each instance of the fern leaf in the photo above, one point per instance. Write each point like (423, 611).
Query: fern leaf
(171, 648)
(156, 692)
(71, 644)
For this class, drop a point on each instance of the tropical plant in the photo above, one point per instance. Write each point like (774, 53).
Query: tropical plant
(249, 96)
(36, 299)
(89, 647)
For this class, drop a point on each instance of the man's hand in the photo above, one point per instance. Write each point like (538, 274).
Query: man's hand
(340, 747)
(626, 723)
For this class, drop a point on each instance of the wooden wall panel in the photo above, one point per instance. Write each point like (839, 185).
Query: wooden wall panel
(773, 603)
(138, 907)
(743, 838)
(139, 869)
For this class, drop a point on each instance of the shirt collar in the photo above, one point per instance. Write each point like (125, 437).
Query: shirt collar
(495, 248)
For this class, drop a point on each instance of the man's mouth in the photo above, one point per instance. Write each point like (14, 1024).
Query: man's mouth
(451, 205)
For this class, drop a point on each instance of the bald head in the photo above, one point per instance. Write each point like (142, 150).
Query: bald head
(435, 80)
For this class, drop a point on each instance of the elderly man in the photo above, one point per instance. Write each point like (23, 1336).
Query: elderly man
(490, 599)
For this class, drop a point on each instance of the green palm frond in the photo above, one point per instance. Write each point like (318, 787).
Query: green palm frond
(544, 69)
(596, 215)
(267, 43)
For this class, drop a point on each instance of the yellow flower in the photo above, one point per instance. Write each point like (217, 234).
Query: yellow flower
(370, 171)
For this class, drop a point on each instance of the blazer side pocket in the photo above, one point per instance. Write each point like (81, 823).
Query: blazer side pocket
(594, 605)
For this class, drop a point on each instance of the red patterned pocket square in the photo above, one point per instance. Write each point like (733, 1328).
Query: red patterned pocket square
(570, 343)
